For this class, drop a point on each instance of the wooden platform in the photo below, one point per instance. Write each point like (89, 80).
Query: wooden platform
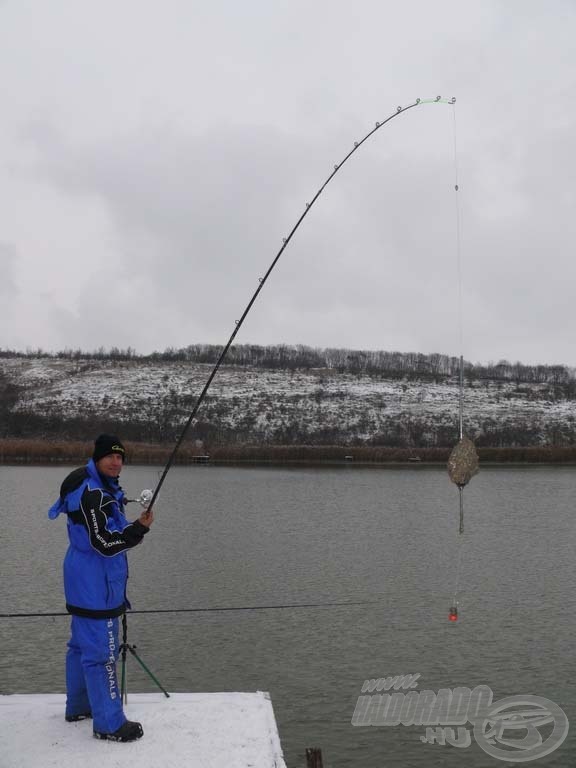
(219, 730)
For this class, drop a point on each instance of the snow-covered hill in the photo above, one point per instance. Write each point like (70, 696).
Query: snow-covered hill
(315, 406)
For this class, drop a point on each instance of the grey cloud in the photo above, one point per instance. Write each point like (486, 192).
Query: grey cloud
(268, 106)
(8, 255)
(200, 217)
(205, 216)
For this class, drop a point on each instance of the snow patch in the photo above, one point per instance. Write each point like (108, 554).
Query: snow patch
(220, 730)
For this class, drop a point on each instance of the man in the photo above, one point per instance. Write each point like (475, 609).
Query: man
(95, 576)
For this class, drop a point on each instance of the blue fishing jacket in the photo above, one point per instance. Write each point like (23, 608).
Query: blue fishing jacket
(95, 565)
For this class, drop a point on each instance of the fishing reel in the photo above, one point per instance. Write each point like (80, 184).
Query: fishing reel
(144, 499)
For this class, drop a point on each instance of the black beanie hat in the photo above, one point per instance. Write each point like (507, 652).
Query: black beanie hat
(104, 445)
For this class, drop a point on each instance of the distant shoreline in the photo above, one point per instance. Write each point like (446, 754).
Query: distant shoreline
(15, 451)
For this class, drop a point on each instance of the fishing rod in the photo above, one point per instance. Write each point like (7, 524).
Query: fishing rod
(262, 282)
(215, 609)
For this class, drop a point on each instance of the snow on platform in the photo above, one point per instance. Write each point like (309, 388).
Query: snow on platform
(205, 730)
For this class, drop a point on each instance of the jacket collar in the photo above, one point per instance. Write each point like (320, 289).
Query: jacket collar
(109, 483)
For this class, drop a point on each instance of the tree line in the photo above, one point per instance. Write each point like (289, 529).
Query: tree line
(411, 365)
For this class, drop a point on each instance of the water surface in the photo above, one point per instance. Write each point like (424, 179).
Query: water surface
(234, 537)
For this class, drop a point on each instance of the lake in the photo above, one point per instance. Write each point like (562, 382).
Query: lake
(244, 537)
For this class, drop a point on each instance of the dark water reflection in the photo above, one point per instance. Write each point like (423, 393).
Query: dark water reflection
(245, 537)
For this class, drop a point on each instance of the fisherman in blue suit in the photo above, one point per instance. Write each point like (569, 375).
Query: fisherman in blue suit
(95, 576)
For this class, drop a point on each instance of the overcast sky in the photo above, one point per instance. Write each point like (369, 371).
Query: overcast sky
(154, 154)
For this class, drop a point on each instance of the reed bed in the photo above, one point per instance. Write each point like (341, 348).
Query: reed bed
(37, 451)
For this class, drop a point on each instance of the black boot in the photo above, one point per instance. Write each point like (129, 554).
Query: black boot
(78, 717)
(130, 731)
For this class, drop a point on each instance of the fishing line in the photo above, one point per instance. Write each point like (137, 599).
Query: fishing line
(463, 461)
(262, 280)
(458, 242)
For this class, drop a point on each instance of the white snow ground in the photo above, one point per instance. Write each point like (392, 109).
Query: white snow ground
(261, 403)
(204, 730)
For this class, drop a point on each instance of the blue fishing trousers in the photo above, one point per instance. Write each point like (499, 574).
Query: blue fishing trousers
(91, 681)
